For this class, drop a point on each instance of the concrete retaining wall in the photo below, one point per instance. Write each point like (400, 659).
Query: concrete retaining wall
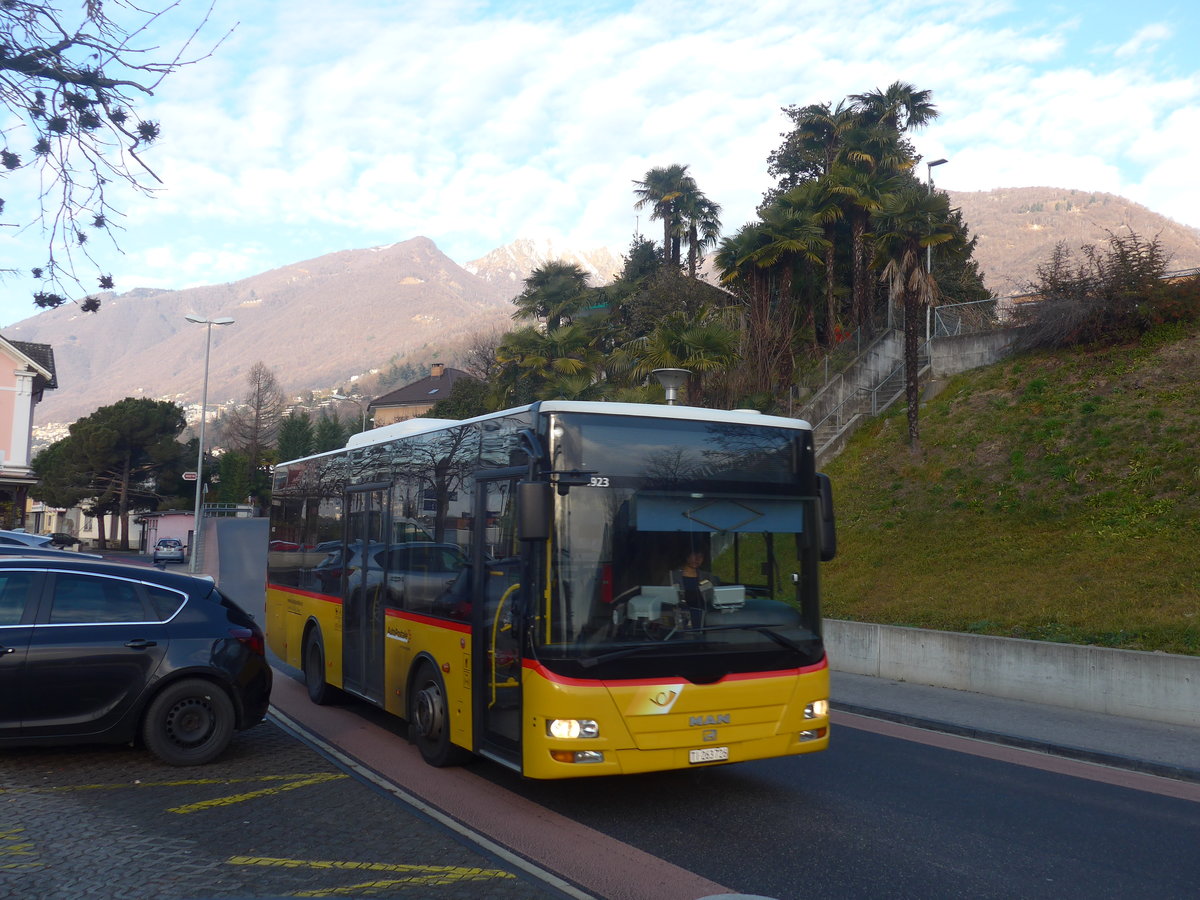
(1162, 687)
(958, 353)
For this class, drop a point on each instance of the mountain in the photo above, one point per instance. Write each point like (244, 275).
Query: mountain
(512, 263)
(315, 324)
(1017, 229)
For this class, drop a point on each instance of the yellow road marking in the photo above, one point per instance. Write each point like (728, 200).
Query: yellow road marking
(183, 782)
(427, 875)
(289, 783)
(16, 853)
(254, 795)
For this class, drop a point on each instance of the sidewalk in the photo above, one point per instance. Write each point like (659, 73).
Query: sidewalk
(1171, 751)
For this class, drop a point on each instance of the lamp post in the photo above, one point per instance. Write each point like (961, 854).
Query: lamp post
(929, 177)
(671, 380)
(209, 323)
(362, 406)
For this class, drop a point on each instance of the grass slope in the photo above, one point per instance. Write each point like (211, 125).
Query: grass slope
(1057, 497)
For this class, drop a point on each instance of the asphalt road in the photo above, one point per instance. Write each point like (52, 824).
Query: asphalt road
(889, 811)
(270, 818)
(880, 816)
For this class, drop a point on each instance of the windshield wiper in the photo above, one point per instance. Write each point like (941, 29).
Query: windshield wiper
(590, 662)
(768, 630)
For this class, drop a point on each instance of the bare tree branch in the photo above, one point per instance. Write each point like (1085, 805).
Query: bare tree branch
(68, 101)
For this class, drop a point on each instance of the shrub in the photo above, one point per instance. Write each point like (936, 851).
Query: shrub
(1105, 295)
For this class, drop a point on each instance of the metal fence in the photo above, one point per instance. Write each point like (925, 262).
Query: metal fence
(963, 318)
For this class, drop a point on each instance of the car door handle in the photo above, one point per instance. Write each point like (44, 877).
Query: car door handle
(7, 649)
(140, 644)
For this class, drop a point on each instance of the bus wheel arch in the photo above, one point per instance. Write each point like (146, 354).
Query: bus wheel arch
(429, 717)
(320, 691)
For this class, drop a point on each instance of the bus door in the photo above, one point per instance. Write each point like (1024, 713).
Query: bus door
(364, 589)
(498, 598)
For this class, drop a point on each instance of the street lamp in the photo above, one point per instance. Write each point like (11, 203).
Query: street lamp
(671, 380)
(929, 177)
(363, 407)
(209, 323)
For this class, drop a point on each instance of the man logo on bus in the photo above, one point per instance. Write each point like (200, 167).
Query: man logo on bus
(698, 721)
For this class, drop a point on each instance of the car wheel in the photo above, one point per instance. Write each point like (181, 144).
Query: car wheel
(320, 691)
(429, 720)
(190, 723)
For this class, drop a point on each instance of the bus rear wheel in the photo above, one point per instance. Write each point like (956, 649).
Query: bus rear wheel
(320, 691)
(429, 720)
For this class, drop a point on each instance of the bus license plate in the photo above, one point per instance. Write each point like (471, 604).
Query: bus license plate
(708, 754)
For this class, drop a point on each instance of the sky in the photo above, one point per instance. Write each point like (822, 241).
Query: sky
(316, 127)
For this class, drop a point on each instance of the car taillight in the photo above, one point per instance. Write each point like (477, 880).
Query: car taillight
(252, 639)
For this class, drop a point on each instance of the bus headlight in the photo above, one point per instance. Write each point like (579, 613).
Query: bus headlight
(567, 729)
(818, 709)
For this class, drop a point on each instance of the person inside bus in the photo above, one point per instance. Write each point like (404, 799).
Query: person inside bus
(695, 585)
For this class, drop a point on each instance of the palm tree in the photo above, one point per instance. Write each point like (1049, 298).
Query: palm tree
(703, 347)
(703, 220)
(536, 365)
(761, 261)
(861, 192)
(908, 221)
(898, 108)
(664, 189)
(821, 202)
(813, 146)
(554, 292)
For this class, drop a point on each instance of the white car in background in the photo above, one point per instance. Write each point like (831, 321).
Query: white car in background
(168, 550)
(26, 539)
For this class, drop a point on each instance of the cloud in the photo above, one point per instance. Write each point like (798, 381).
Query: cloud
(1145, 39)
(317, 128)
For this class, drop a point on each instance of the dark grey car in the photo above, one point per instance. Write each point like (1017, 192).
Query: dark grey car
(99, 652)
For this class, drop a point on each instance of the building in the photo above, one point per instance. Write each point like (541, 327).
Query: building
(26, 373)
(416, 398)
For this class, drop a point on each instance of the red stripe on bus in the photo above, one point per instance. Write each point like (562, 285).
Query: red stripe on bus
(429, 620)
(538, 669)
(294, 590)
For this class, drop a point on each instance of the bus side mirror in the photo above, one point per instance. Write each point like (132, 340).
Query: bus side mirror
(828, 523)
(534, 502)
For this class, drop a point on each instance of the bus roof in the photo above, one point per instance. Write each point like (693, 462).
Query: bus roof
(411, 427)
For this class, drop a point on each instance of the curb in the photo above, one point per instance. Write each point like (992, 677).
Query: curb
(1132, 764)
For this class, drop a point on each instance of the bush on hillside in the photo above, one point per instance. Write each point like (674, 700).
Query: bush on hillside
(1105, 296)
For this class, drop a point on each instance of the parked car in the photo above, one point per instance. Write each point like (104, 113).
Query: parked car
(101, 652)
(62, 539)
(24, 538)
(416, 574)
(48, 550)
(168, 550)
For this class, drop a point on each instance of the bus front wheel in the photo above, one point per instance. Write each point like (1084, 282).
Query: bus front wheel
(429, 720)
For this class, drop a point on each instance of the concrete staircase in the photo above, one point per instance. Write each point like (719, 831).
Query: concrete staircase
(864, 389)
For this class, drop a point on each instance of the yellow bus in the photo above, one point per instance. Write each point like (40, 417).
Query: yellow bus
(569, 588)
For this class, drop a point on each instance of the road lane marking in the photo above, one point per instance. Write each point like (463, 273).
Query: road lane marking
(507, 856)
(16, 853)
(285, 783)
(254, 795)
(1021, 756)
(412, 874)
(185, 782)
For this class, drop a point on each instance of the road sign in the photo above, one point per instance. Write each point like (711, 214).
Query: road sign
(189, 476)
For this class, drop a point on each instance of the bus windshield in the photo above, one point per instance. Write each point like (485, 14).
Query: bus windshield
(680, 547)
